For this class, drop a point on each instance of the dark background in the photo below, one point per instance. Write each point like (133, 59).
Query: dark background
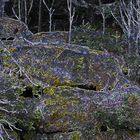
(85, 12)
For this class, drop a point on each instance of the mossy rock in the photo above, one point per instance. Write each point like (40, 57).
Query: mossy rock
(66, 65)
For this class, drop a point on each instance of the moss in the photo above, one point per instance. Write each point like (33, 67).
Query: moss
(94, 51)
(30, 123)
(11, 49)
(79, 116)
(58, 103)
(49, 91)
(133, 99)
(79, 63)
(75, 135)
(98, 85)
(125, 70)
(55, 81)
(68, 82)
(78, 67)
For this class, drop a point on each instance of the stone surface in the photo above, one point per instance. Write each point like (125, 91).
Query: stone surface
(64, 92)
(67, 65)
(9, 28)
(57, 38)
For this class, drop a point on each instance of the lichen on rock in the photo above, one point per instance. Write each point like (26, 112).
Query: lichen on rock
(65, 92)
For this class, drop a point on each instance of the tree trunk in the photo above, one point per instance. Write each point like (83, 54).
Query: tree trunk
(22, 6)
(40, 15)
(2, 4)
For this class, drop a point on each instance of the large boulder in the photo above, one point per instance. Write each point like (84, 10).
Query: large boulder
(67, 65)
(51, 90)
(57, 112)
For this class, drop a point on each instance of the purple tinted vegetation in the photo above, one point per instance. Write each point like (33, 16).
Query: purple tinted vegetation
(56, 41)
(19, 47)
(44, 66)
(132, 89)
(45, 40)
(2, 54)
(85, 100)
(10, 61)
(13, 53)
(61, 72)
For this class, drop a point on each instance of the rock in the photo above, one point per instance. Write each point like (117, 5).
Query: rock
(60, 109)
(68, 65)
(55, 90)
(10, 28)
(49, 38)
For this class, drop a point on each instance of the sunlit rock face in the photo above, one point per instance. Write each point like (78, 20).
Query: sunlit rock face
(9, 28)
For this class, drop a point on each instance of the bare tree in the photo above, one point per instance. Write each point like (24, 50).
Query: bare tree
(1, 8)
(104, 11)
(129, 21)
(30, 7)
(27, 10)
(116, 36)
(19, 9)
(51, 11)
(71, 16)
(40, 15)
(23, 13)
(2, 4)
(27, 7)
(18, 16)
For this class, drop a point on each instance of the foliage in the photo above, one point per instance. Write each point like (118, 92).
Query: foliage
(88, 36)
(128, 20)
(133, 66)
(124, 117)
